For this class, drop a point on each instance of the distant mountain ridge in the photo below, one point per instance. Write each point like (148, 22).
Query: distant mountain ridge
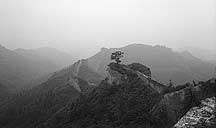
(165, 63)
(55, 56)
(19, 67)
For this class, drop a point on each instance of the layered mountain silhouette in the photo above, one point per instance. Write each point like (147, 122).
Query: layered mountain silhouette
(23, 66)
(165, 63)
(58, 58)
(89, 93)
(19, 67)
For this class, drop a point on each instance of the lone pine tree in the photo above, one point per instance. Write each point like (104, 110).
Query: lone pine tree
(116, 56)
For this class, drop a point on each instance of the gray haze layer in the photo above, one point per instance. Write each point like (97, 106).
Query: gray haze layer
(82, 27)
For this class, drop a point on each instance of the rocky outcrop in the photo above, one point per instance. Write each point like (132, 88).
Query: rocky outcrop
(131, 98)
(176, 104)
(140, 68)
(176, 101)
(118, 74)
(114, 77)
(199, 116)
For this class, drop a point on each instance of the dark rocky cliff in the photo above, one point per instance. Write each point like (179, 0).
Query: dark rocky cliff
(130, 98)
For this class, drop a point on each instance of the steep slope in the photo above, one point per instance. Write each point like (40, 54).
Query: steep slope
(106, 104)
(29, 108)
(33, 107)
(82, 70)
(165, 63)
(130, 102)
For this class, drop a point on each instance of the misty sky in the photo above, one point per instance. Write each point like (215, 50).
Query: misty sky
(82, 27)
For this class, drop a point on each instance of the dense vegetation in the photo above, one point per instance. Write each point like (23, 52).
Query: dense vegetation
(75, 97)
(30, 108)
(124, 105)
(108, 106)
(33, 107)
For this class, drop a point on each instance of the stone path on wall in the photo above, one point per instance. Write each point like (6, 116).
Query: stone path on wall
(199, 117)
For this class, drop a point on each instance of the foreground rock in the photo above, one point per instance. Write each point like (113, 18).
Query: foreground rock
(202, 116)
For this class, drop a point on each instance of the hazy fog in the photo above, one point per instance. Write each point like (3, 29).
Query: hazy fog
(83, 26)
